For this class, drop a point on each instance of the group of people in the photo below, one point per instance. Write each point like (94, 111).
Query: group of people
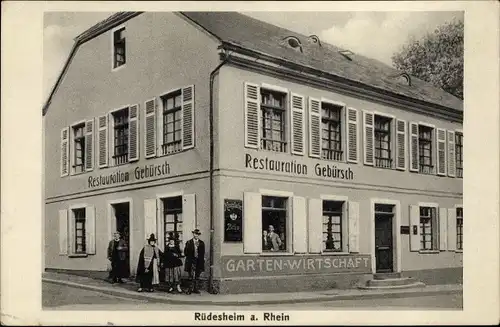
(270, 240)
(153, 262)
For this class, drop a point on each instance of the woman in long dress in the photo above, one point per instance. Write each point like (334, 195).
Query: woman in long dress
(148, 268)
(172, 263)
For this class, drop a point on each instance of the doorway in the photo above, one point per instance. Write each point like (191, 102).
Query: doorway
(122, 223)
(384, 215)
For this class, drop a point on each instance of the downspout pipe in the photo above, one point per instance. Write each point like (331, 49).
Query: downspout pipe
(212, 149)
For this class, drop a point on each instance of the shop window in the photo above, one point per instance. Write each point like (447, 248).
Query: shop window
(459, 153)
(79, 217)
(425, 149)
(172, 217)
(119, 48)
(172, 104)
(273, 121)
(121, 134)
(79, 148)
(274, 223)
(331, 136)
(460, 228)
(333, 226)
(383, 154)
(428, 229)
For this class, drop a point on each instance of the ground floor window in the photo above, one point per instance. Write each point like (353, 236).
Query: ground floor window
(428, 228)
(172, 217)
(274, 223)
(460, 228)
(332, 226)
(79, 216)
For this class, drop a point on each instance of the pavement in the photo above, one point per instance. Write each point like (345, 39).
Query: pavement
(129, 290)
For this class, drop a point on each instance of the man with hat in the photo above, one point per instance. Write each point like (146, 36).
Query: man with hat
(194, 251)
(148, 268)
(117, 255)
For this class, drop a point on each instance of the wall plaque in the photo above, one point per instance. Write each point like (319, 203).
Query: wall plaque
(405, 230)
(233, 220)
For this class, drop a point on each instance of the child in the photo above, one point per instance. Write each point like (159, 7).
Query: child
(172, 262)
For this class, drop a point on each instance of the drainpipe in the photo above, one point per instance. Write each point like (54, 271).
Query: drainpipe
(212, 200)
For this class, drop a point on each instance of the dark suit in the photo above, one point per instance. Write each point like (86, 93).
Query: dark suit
(195, 261)
(117, 254)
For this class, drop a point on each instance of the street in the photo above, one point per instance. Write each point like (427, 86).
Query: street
(61, 297)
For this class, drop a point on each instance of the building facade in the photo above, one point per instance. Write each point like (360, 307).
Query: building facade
(166, 122)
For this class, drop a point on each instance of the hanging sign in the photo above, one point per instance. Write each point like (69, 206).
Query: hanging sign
(233, 220)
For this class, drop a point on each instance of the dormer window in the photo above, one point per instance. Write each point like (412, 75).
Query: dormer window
(294, 43)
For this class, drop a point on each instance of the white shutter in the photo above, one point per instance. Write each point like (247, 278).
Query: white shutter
(133, 133)
(89, 145)
(451, 154)
(414, 224)
(149, 217)
(252, 115)
(452, 229)
(434, 155)
(414, 147)
(299, 217)
(352, 135)
(65, 151)
(188, 120)
(315, 225)
(297, 130)
(103, 141)
(314, 128)
(401, 144)
(90, 238)
(63, 232)
(353, 226)
(441, 152)
(252, 223)
(368, 137)
(443, 227)
(150, 128)
(160, 223)
(188, 216)
(71, 232)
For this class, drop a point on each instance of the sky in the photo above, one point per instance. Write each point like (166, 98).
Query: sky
(373, 34)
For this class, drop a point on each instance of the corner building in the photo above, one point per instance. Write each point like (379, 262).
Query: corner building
(165, 122)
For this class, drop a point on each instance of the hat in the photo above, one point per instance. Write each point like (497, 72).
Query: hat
(152, 238)
(196, 231)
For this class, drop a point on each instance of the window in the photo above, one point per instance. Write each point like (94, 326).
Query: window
(120, 126)
(79, 216)
(332, 226)
(119, 47)
(274, 215)
(459, 153)
(331, 131)
(460, 228)
(172, 104)
(172, 217)
(79, 148)
(428, 228)
(383, 154)
(273, 121)
(425, 149)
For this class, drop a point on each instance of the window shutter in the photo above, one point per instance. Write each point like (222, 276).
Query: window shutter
(451, 154)
(65, 151)
(299, 217)
(188, 117)
(352, 135)
(353, 227)
(314, 128)
(401, 144)
(188, 216)
(315, 225)
(414, 224)
(133, 133)
(252, 115)
(90, 229)
(414, 147)
(71, 234)
(150, 129)
(63, 232)
(89, 145)
(297, 137)
(160, 223)
(149, 217)
(368, 140)
(443, 227)
(452, 229)
(441, 152)
(103, 141)
(252, 222)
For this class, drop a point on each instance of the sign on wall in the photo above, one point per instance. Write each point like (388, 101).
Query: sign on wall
(233, 220)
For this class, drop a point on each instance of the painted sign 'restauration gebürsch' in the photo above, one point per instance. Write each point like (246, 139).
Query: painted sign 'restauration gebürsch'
(136, 174)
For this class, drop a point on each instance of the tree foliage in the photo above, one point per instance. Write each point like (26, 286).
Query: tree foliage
(436, 58)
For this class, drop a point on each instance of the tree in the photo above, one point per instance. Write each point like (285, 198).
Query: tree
(437, 57)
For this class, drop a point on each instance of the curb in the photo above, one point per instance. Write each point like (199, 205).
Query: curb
(322, 298)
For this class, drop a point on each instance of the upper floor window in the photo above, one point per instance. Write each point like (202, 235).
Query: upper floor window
(428, 228)
(331, 135)
(121, 134)
(119, 48)
(172, 138)
(382, 133)
(460, 228)
(273, 121)
(79, 148)
(425, 149)
(459, 153)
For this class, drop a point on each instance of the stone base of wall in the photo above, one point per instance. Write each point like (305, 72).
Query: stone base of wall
(440, 276)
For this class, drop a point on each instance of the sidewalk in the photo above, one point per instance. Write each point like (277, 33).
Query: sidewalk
(129, 290)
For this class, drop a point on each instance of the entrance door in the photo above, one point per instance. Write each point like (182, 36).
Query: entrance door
(122, 215)
(383, 238)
